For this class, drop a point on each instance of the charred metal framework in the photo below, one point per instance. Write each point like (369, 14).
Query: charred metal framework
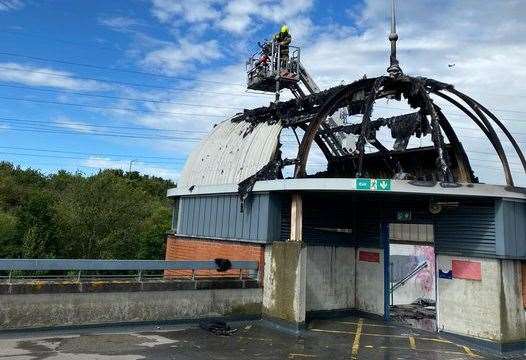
(445, 162)
(451, 164)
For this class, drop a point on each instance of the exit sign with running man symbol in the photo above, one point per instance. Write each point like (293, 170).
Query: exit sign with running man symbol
(373, 184)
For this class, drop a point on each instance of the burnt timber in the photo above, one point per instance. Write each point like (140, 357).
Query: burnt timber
(444, 162)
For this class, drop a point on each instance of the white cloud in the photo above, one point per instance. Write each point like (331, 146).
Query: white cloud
(237, 16)
(185, 55)
(234, 16)
(39, 76)
(234, 97)
(143, 168)
(283, 10)
(77, 126)
(191, 11)
(118, 23)
(190, 21)
(240, 15)
(10, 5)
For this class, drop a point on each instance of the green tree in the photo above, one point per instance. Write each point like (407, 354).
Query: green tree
(112, 214)
(36, 224)
(9, 243)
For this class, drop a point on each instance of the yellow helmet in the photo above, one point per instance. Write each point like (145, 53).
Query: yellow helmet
(284, 29)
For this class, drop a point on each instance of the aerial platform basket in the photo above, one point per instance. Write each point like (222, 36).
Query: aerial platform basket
(268, 71)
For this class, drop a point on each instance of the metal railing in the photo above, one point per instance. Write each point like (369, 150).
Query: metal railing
(421, 266)
(273, 67)
(13, 268)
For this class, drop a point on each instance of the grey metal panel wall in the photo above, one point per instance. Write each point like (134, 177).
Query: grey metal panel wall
(368, 229)
(467, 230)
(175, 215)
(284, 229)
(275, 205)
(220, 216)
(373, 209)
(322, 215)
(511, 229)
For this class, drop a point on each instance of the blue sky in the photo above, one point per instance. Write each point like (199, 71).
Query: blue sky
(86, 85)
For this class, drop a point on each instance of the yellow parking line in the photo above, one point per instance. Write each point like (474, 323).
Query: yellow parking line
(356, 342)
(436, 340)
(365, 324)
(469, 352)
(361, 333)
(412, 343)
(333, 331)
(423, 350)
(293, 356)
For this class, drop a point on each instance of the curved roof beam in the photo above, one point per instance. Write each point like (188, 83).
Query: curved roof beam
(505, 131)
(366, 119)
(464, 166)
(323, 112)
(499, 149)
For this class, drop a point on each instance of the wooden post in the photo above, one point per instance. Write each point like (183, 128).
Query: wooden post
(296, 218)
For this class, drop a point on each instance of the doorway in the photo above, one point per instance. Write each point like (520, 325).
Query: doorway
(411, 280)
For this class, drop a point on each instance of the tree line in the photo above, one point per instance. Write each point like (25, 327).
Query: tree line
(110, 215)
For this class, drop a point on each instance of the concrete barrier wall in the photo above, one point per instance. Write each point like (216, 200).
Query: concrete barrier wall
(370, 280)
(330, 278)
(487, 308)
(47, 310)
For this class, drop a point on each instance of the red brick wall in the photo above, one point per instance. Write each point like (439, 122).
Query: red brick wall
(183, 248)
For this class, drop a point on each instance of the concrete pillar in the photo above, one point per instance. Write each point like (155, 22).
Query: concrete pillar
(284, 286)
(513, 321)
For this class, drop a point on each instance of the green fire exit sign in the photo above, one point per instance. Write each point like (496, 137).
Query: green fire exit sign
(373, 184)
(363, 184)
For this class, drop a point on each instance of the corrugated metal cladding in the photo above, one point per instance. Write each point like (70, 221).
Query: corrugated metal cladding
(232, 152)
(511, 228)
(412, 233)
(284, 229)
(467, 230)
(373, 209)
(351, 219)
(220, 216)
(327, 220)
(467, 227)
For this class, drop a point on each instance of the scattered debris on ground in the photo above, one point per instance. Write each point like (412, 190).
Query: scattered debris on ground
(217, 327)
(418, 310)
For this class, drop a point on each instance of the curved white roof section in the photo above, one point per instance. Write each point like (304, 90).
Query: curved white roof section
(232, 152)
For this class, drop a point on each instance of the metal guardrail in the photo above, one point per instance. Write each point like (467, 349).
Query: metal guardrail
(107, 265)
(248, 269)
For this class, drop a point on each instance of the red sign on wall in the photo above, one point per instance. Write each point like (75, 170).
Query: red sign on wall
(369, 256)
(469, 270)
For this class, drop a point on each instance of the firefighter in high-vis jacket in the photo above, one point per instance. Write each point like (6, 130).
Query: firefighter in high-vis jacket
(283, 38)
